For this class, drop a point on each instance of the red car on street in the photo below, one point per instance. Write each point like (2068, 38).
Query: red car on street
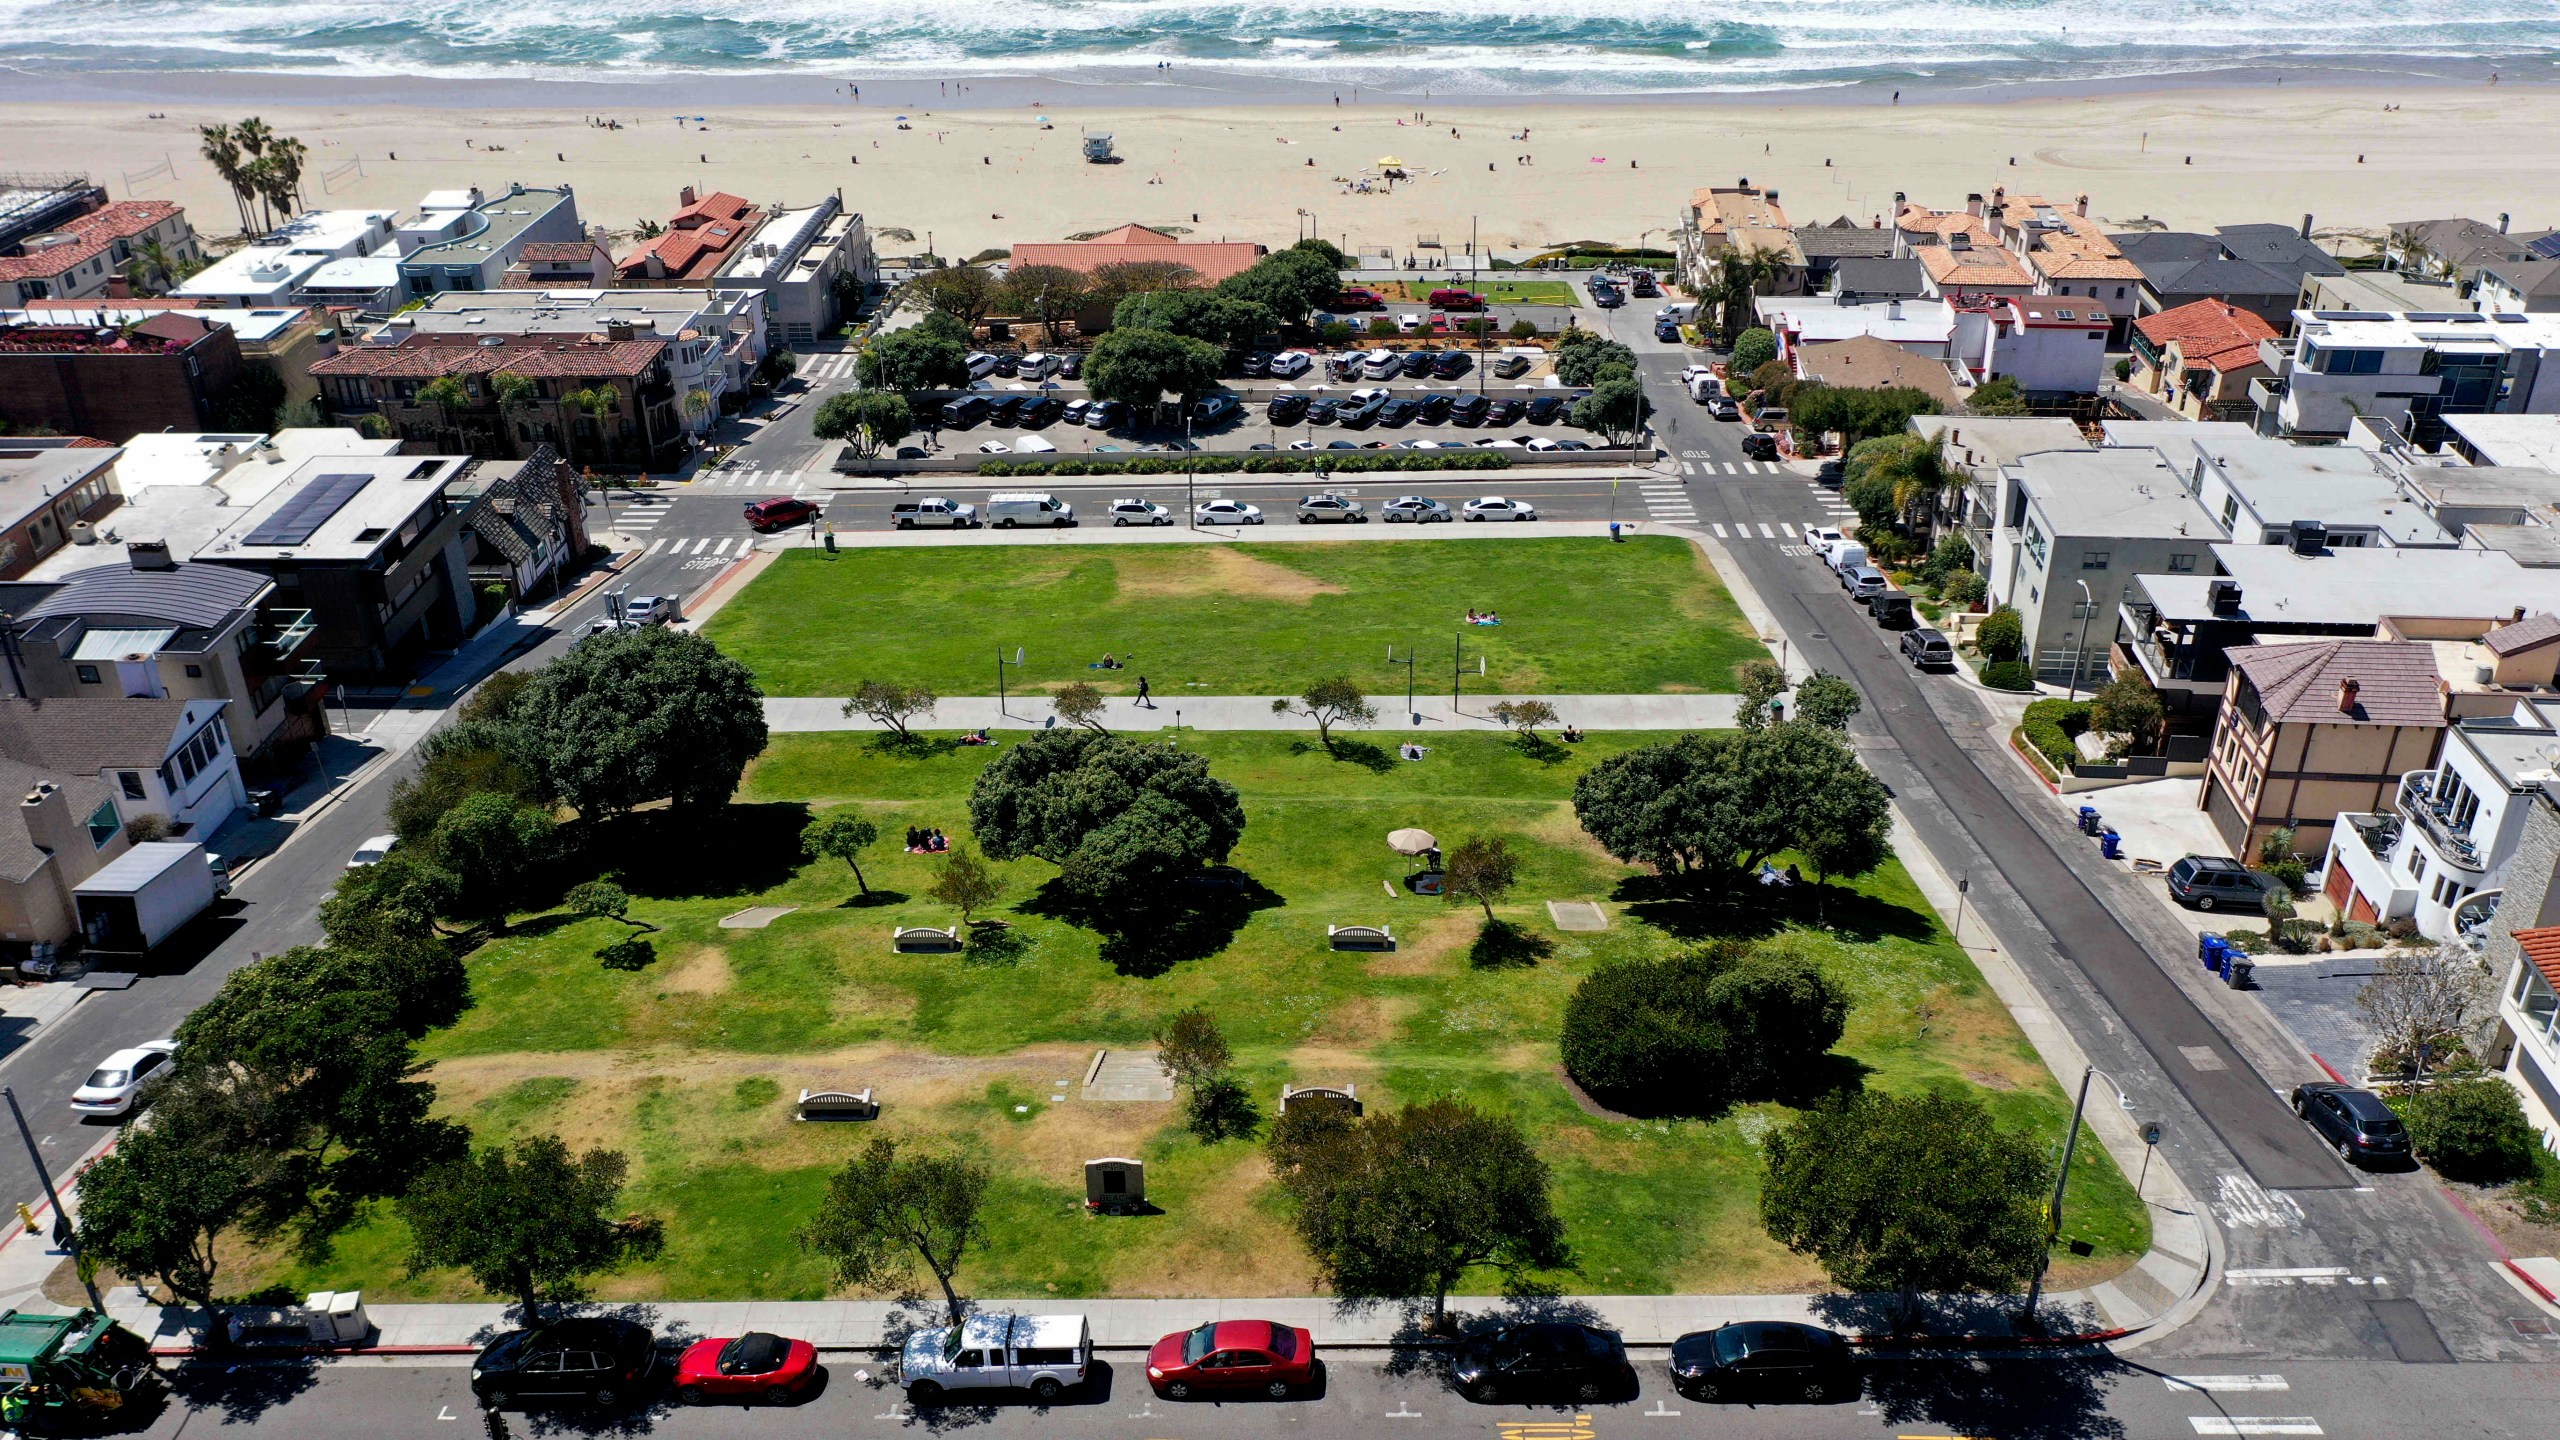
(753, 1366)
(1233, 1357)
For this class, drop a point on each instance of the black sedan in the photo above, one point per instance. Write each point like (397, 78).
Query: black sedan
(1544, 409)
(1287, 409)
(1764, 1359)
(2355, 1121)
(1548, 1360)
(1435, 408)
(602, 1361)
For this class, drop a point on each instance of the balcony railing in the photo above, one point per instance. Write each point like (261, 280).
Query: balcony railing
(2434, 818)
(2380, 833)
(283, 631)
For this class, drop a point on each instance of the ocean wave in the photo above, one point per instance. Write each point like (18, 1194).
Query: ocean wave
(1565, 45)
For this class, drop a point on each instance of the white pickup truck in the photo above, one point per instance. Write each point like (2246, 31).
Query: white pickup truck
(933, 510)
(1043, 1354)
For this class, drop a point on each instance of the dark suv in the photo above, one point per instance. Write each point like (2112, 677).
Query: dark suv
(1548, 1360)
(2356, 1121)
(2209, 882)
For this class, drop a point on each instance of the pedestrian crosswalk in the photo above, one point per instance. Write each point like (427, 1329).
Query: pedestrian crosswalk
(826, 369)
(774, 479)
(1755, 530)
(1745, 467)
(640, 512)
(1667, 500)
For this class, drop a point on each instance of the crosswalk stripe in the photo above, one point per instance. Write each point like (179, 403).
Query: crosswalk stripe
(1729, 470)
(721, 549)
(1719, 529)
(2255, 1425)
(653, 546)
(1766, 533)
(2226, 1382)
(702, 544)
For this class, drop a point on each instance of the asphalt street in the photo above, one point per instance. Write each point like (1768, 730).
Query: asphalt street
(2078, 1397)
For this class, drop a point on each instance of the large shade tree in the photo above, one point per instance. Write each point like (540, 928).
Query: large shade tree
(631, 716)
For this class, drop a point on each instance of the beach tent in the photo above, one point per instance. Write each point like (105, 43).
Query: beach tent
(1389, 162)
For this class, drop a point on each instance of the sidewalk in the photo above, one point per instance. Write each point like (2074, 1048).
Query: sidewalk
(802, 714)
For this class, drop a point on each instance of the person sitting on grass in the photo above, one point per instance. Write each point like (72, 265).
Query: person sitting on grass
(1572, 736)
(939, 843)
(915, 839)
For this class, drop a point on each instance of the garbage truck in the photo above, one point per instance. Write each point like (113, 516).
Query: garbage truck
(61, 1374)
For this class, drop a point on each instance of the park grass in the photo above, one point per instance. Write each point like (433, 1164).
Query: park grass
(1580, 616)
(690, 1065)
(1498, 292)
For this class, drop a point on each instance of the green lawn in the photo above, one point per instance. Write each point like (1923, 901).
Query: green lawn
(1578, 616)
(691, 1065)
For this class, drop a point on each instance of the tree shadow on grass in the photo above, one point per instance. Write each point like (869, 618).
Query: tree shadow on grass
(1696, 907)
(731, 850)
(1373, 758)
(1539, 748)
(874, 899)
(1190, 921)
(994, 945)
(915, 747)
(1501, 945)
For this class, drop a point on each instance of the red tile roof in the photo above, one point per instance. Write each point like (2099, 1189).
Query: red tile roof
(1212, 260)
(2396, 681)
(2542, 948)
(2533, 630)
(558, 252)
(718, 205)
(2208, 333)
(426, 357)
(95, 232)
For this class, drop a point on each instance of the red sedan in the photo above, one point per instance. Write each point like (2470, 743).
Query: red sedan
(752, 1366)
(1233, 1357)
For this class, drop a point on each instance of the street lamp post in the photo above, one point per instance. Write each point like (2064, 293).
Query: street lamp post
(2061, 1179)
(1001, 663)
(63, 1233)
(1412, 709)
(2080, 652)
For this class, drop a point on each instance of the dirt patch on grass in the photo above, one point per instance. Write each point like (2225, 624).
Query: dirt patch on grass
(1202, 570)
(1244, 1249)
(1434, 946)
(704, 970)
(1582, 1100)
(1362, 1021)
(1989, 1081)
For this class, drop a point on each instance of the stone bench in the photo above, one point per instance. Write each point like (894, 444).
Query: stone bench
(926, 940)
(838, 1105)
(1361, 937)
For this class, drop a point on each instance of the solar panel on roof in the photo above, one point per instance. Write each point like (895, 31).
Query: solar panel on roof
(301, 517)
(2548, 247)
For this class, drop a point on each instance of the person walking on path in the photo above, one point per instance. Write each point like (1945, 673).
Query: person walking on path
(1143, 701)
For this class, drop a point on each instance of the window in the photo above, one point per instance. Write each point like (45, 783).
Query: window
(2417, 866)
(130, 781)
(2230, 508)
(2035, 542)
(195, 672)
(2095, 559)
(2345, 362)
(2182, 564)
(103, 824)
(88, 673)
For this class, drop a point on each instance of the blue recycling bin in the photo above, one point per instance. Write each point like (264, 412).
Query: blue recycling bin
(2088, 819)
(2110, 844)
(2212, 949)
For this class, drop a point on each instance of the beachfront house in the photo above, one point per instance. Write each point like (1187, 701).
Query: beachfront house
(1738, 219)
(2408, 369)
(2199, 358)
(704, 234)
(2256, 268)
(105, 252)
(811, 263)
(462, 240)
(1209, 261)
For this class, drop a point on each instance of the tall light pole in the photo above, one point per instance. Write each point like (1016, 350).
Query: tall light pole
(1001, 663)
(2061, 1180)
(1412, 709)
(2080, 653)
(63, 1233)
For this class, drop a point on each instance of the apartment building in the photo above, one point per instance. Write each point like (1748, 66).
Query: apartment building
(2084, 526)
(267, 274)
(716, 338)
(2410, 370)
(2314, 729)
(48, 489)
(606, 404)
(103, 252)
(463, 240)
(809, 262)
(170, 371)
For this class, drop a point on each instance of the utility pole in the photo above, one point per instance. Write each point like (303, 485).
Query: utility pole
(2053, 1211)
(63, 1234)
(1001, 662)
(1411, 708)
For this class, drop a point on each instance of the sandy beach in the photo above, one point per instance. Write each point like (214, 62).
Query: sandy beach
(979, 178)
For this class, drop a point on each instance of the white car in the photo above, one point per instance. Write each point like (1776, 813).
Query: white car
(1033, 445)
(1132, 511)
(981, 364)
(110, 1088)
(1415, 510)
(1494, 507)
(649, 609)
(994, 447)
(372, 851)
(1226, 512)
(1303, 445)
(1820, 537)
(1541, 442)
(1038, 365)
(1290, 364)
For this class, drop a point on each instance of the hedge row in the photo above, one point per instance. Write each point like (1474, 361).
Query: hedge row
(2051, 725)
(1338, 462)
(2009, 675)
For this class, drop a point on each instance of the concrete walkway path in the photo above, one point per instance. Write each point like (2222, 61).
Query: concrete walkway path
(1431, 715)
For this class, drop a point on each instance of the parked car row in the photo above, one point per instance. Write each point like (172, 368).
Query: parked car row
(1327, 508)
(1037, 365)
(1379, 406)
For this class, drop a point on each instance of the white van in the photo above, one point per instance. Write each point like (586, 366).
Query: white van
(1844, 556)
(1682, 311)
(1380, 364)
(1038, 365)
(1047, 1355)
(1028, 507)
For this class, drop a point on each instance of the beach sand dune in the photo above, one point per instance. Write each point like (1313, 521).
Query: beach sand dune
(979, 179)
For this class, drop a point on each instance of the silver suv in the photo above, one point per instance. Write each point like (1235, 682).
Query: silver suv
(1329, 508)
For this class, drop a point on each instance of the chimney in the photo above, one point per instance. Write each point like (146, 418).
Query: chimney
(1991, 219)
(2305, 231)
(1973, 204)
(1893, 309)
(2518, 617)
(685, 196)
(2502, 222)
(2080, 207)
(2347, 696)
(1999, 194)
(656, 266)
(149, 555)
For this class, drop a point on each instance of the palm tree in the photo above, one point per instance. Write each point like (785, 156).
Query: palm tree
(697, 404)
(513, 392)
(222, 148)
(155, 270)
(601, 405)
(287, 156)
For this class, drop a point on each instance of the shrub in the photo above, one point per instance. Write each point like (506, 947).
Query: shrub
(2002, 635)
(2470, 1130)
(1965, 587)
(2289, 870)
(2009, 675)
(1701, 1030)
(2051, 726)
(1752, 349)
